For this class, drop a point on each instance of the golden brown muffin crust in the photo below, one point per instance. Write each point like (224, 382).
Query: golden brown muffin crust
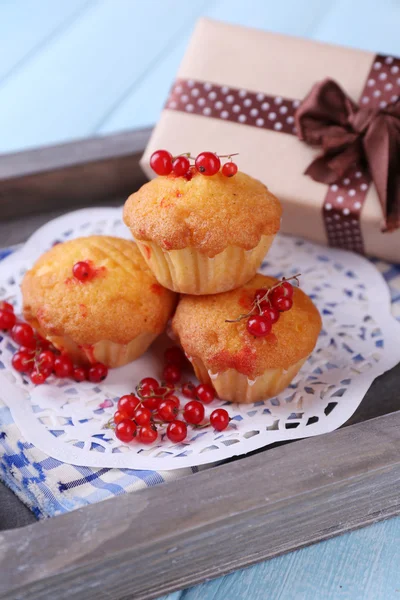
(120, 302)
(199, 323)
(205, 213)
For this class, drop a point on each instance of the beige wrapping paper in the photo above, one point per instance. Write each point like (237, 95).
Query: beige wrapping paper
(280, 66)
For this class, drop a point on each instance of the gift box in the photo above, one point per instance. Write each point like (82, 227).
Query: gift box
(318, 124)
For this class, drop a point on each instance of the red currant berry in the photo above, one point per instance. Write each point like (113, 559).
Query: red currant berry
(205, 393)
(6, 306)
(63, 366)
(208, 163)
(22, 362)
(120, 416)
(142, 415)
(147, 386)
(7, 319)
(287, 286)
(125, 430)
(270, 312)
(167, 410)
(31, 352)
(193, 412)
(191, 173)
(82, 271)
(283, 304)
(259, 326)
(180, 166)
(176, 431)
(174, 356)
(151, 403)
(229, 169)
(148, 434)
(97, 372)
(161, 162)
(284, 290)
(260, 293)
(189, 390)
(219, 419)
(175, 400)
(38, 377)
(128, 404)
(80, 374)
(23, 334)
(46, 359)
(46, 370)
(172, 374)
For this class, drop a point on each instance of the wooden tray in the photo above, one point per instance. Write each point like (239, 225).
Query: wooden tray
(167, 537)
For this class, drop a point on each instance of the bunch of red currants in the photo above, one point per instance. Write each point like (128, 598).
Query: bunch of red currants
(267, 305)
(139, 416)
(37, 357)
(207, 163)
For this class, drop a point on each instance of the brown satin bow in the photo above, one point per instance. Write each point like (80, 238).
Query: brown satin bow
(352, 135)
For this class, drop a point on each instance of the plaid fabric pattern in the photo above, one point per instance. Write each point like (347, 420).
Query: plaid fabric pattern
(49, 487)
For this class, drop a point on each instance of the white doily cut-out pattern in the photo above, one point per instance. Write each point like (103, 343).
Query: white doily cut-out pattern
(358, 342)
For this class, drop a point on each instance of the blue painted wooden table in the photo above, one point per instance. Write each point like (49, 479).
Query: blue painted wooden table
(73, 68)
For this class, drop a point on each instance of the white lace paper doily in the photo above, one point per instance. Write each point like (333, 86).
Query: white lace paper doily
(358, 342)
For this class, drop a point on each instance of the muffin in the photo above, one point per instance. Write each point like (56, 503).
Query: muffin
(203, 235)
(241, 367)
(96, 299)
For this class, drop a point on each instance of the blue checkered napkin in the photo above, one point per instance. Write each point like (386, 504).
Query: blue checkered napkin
(50, 487)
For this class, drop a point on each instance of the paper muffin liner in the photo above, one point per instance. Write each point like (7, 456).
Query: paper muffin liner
(188, 271)
(109, 353)
(117, 355)
(236, 387)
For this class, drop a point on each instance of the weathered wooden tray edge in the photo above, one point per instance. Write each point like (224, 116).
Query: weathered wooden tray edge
(150, 543)
(74, 174)
(234, 515)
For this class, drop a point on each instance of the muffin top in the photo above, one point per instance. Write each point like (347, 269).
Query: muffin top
(205, 213)
(120, 300)
(200, 325)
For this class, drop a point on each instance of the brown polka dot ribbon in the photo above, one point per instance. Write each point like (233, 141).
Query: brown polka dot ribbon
(231, 104)
(344, 199)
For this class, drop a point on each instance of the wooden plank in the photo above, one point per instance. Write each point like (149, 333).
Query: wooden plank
(219, 521)
(87, 70)
(361, 565)
(26, 27)
(18, 230)
(289, 17)
(79, 173)
(71, 154)
(143, 104)
(381, 399)
(347, 22)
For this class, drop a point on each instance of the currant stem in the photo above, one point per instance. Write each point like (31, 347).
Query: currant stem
(187, 154)
(190, 157)
(257, 303)
(240, 317)
(227, 155)
(168, 391)
(265, 297)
